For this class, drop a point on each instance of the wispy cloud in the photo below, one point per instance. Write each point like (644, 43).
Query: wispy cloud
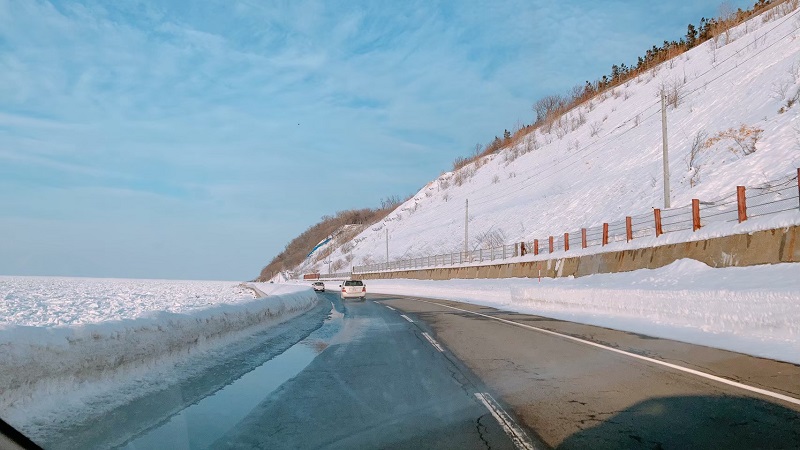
(233, 109)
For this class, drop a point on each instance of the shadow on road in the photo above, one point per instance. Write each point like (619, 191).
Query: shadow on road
(693, 422)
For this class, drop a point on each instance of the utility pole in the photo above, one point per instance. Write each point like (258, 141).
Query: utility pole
(466, 229)
(387, 245)
(665, 156)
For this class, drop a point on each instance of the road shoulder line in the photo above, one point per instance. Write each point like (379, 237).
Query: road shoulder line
(517, 435)
(433, 341)
(708, 376)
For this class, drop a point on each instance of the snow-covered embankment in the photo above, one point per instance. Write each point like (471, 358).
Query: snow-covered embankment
(753, 310)
(60, 335)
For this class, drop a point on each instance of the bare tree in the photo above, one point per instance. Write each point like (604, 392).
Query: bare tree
(390, 202)
(594, 128)
(698, 143)
(546, 107)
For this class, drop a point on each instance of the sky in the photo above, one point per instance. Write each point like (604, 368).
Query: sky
(194, 140)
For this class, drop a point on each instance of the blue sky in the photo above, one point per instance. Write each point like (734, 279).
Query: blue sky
(177, 139)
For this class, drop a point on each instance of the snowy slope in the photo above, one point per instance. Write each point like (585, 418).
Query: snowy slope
(603, 161)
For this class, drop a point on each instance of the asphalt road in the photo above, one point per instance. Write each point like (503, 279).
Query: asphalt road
(402, 372)
(573, 392)
(379, 383)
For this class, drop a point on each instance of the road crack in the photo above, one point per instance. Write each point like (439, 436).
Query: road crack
(482, 430)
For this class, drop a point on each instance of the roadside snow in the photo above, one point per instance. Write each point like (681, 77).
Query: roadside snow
(753, 310)
(61, 339)
(50, 301)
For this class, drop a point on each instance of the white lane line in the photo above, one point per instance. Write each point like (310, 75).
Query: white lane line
(433, 342)
(406, 317)
(708, 376)
(514, 431)
(389, 307)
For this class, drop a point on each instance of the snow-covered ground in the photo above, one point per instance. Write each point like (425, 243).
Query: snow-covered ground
(753, 310)
(603, 162)
(64, 340)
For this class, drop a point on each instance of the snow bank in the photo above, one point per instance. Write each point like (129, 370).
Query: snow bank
(53, 336)
(754, 310)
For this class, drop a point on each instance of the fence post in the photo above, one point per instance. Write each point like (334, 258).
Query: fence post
(605, 233)
(798, 188)
(550, 241)
(566, 242)
(657, 214)
(741, 201)
(583, 237)
(629, 228)
(695, 214)
(535, 246)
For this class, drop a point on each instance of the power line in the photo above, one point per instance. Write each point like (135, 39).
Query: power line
(570, 161)
(495, 195)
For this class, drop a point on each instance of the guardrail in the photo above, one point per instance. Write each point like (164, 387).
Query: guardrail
(447, 259)
(769, 198)
(335, 276)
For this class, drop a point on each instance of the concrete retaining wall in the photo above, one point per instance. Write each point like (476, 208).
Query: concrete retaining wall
(758, 247)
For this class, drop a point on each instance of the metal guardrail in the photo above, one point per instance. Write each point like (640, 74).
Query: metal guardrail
(769, 198)
(335, 276)
(446, 259)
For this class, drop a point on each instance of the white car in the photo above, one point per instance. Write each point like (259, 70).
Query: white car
(354, 289)
(318, 286)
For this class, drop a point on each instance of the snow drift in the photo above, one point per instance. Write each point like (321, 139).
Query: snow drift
(39, 360)
(753, 310)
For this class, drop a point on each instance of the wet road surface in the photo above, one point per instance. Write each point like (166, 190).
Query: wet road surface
(380, 383)
(407, 372)
(572, 392)
(368, 377)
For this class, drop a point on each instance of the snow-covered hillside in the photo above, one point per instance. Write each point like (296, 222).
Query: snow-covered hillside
(602, 160)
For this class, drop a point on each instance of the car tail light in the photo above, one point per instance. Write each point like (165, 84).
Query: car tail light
(364, 289)
(344, 289)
